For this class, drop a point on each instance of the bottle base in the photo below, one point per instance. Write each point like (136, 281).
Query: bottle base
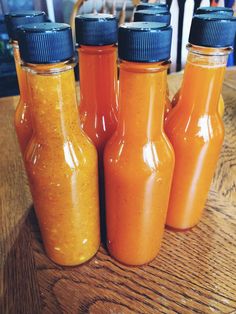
(168, 227)
(129, 264)
(76, 264)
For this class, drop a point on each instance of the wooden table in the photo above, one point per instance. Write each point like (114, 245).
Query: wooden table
(195, 271)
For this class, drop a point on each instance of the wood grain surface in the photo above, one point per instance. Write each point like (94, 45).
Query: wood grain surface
(195, 271)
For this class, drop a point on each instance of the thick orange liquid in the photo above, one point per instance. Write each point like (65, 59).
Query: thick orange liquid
(22, 115)
(98, 92)
(138, 163)
(61, 163)
(196, 132)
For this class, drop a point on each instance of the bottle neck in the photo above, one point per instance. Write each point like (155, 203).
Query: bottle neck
(203, 79)
(98, 79)
(21, 75)
(141, 99)
(53, 101)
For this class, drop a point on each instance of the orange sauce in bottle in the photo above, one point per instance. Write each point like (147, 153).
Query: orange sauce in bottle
(96, 36)
(98, 92)
(196, 132)
(138, 163)
(61, 163)
(60, 160)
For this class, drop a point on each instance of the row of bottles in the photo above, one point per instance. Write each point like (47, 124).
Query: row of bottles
(154, 173)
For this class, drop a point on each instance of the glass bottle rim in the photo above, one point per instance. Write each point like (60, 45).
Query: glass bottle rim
(209, 51)
(49, 69)
(145, 67)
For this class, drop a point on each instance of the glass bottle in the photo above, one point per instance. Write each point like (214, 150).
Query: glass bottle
(139, 159)
(60, 160)
(194, 126)
(96, 36)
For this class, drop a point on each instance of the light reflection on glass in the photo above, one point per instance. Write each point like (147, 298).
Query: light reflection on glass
(150, 156)
(205, 128)
(70, 155)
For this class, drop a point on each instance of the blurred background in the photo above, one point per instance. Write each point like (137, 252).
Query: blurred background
(65, 10)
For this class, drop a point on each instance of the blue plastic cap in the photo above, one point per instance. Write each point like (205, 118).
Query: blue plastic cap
(15, 19)
(152, 16)
(212, 30)
(96, 29)
(147, 6)
(45, 43)
(144, 42)
(216, 10)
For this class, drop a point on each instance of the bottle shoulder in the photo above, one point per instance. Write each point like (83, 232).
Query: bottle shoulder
(22, 116)
(152, 154)
(208, 126)
(21, 107)
(71, 154)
